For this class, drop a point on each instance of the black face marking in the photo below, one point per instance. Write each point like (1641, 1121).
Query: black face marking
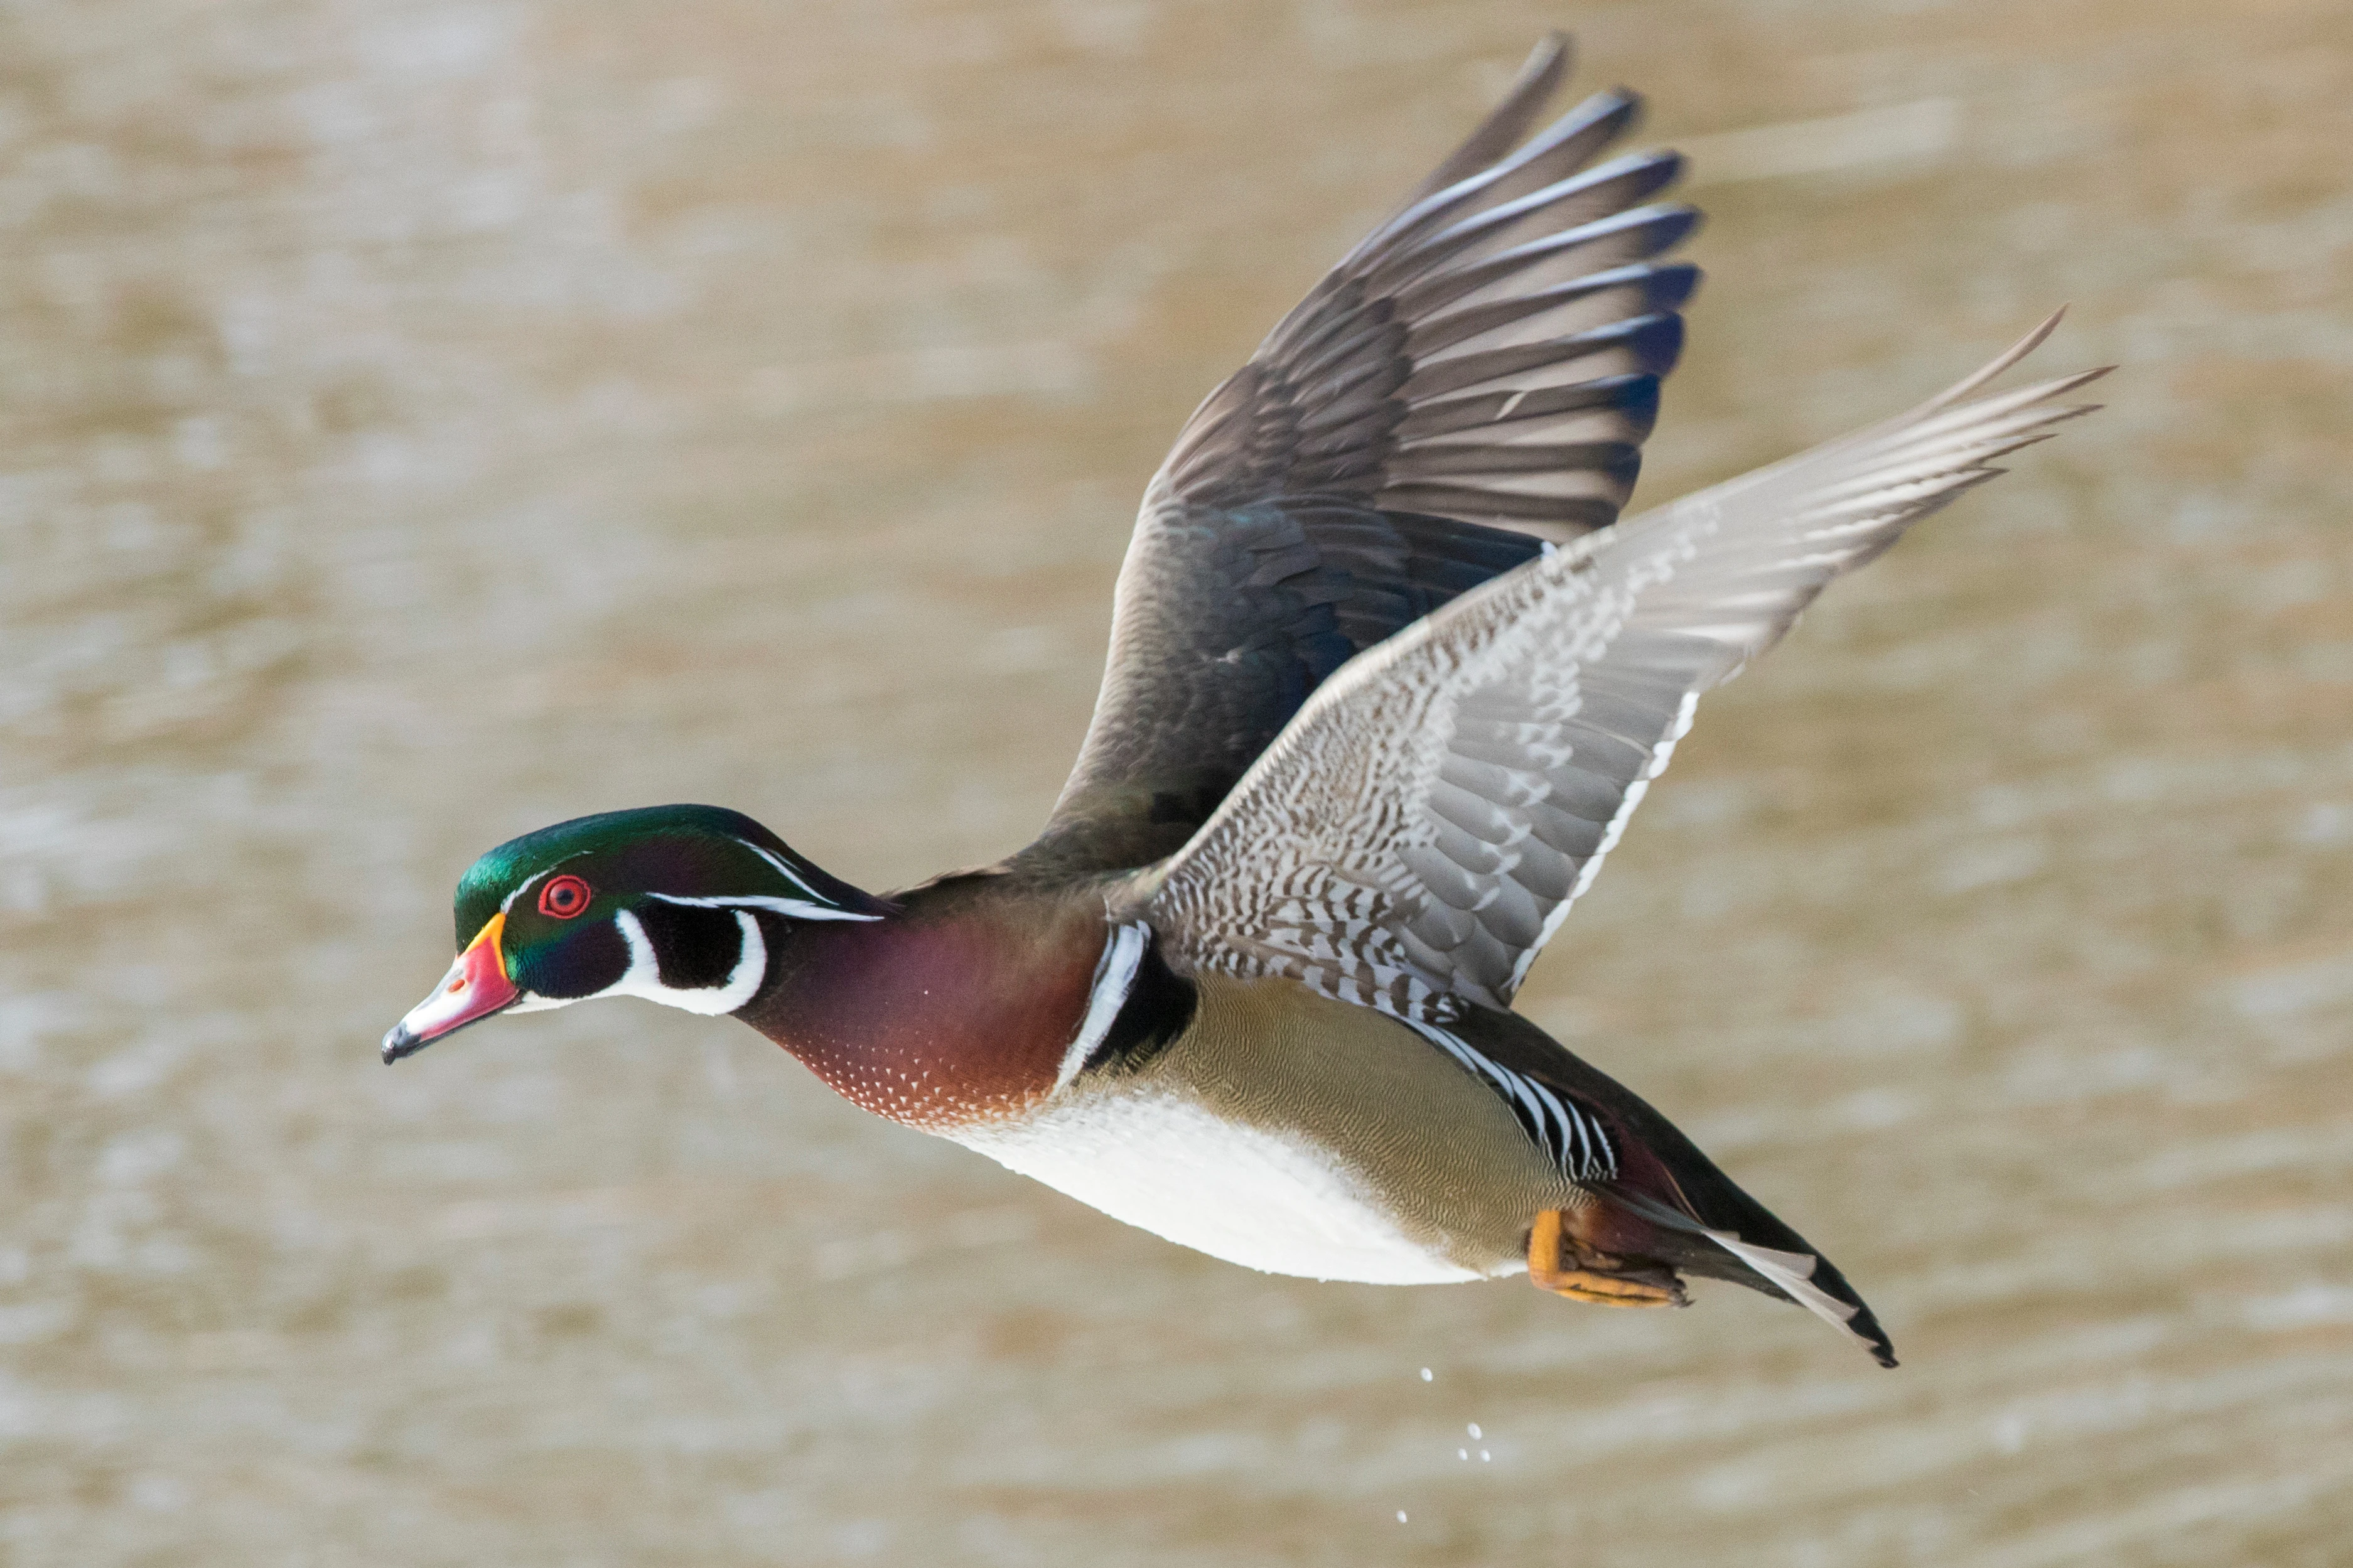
(589, 958)
(1158, 1009)
(695, 948)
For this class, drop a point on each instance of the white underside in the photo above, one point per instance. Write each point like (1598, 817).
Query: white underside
(1263, 1199)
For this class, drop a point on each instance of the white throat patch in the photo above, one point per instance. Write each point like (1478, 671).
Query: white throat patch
(643, 977)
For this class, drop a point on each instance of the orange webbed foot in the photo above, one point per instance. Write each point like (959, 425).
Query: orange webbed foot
(1561, 1263)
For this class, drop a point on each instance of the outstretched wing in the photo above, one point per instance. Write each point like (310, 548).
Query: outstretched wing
(1472, 380)
(1415, 835)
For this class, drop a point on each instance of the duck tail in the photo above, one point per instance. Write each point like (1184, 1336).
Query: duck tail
(1660, 1208)
(1670, 1203)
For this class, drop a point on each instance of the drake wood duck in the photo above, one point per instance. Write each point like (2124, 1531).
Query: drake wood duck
(1388, 676)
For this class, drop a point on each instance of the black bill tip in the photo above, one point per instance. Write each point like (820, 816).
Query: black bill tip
(400, 1042)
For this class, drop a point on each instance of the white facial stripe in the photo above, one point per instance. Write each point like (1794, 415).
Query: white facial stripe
(784, 869)
(506, 905)
(1114, 978)
(750, 968)
(796, 908)
(643, 977)
(816, 907)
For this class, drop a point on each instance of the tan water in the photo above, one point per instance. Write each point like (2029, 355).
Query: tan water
(422, 419)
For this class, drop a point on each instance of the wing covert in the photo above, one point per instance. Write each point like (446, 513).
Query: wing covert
(1419, 830)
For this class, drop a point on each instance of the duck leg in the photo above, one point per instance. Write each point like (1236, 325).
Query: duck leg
(1562, 1262)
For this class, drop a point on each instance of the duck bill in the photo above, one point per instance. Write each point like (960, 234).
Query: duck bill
(476, 986)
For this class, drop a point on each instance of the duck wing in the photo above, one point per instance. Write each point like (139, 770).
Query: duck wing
(1418, 831)
(1473, 380)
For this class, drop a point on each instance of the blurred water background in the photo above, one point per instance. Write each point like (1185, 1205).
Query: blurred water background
(424, 420)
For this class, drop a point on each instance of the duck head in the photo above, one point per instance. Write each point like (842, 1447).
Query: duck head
(679, 904)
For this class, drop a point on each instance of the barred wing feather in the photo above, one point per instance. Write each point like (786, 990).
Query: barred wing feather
(1418, 831)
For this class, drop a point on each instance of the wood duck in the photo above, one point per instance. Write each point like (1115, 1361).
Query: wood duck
(1387, 677)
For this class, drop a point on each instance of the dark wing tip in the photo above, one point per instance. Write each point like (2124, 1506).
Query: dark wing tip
(1867, 1328)
(1671, 284)
(1655, 341)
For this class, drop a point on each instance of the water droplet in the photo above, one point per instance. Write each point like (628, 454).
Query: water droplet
(1425, 1374)
(1485, 1457)
(1474, 1431)
(1400, 1516)
(1461, 1453)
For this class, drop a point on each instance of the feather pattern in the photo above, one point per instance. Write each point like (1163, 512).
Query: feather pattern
(1572, 1137)
(1473, 380)
(1417, 833)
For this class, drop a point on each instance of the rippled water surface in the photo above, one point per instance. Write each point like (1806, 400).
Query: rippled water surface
(422, 419)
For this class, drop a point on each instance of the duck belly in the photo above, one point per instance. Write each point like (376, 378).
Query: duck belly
(1265, 1198)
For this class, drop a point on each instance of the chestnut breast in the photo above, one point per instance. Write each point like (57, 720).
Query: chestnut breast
(957, 1011)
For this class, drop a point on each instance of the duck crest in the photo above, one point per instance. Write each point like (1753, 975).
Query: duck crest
(959, 1009)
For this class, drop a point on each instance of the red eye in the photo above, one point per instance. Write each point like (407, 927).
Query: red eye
(564, 897)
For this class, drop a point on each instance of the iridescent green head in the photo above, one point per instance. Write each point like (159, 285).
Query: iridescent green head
(678, 904)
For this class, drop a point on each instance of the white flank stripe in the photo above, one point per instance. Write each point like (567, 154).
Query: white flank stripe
(1114, 978)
